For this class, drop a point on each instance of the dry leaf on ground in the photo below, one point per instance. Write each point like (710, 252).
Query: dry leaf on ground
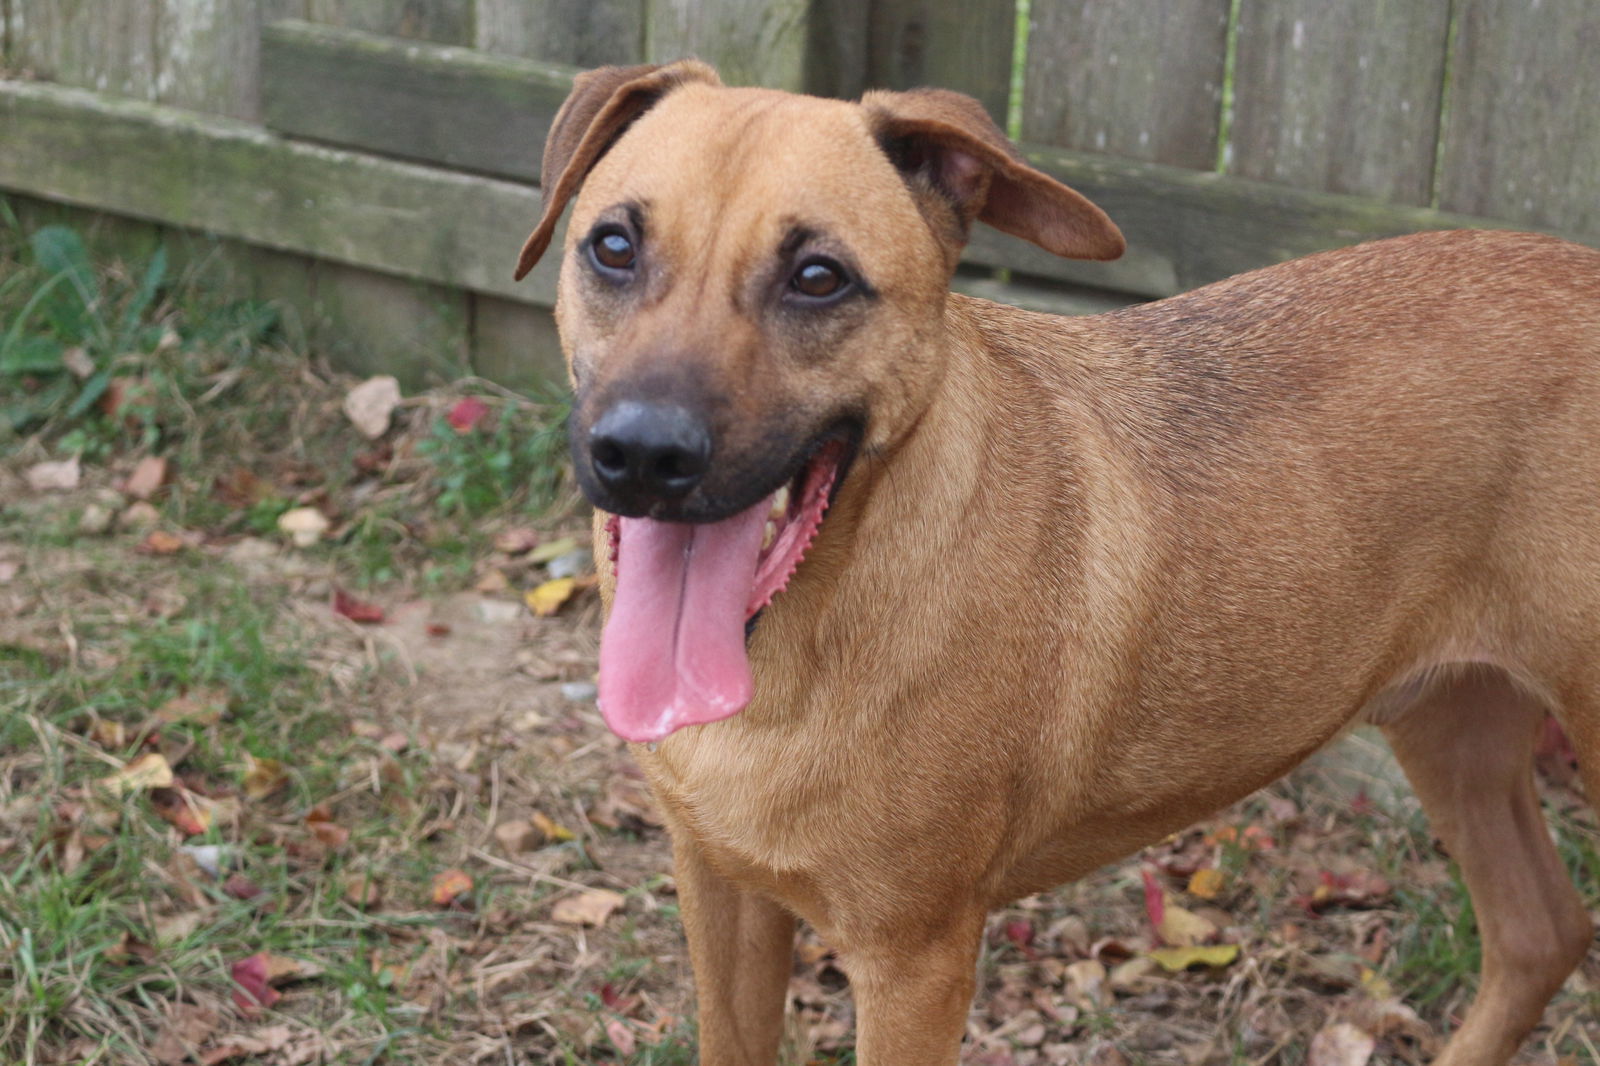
(356, 610)
(263, 777)
(451, 887)
(466, 414)
(587, 908)
(371, 404)
(149, 474)
(547, 599)
(1341, 1044)
(59, 476)
(149, 770)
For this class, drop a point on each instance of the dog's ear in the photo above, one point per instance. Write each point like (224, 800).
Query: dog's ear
(602, 104)
(948, 147)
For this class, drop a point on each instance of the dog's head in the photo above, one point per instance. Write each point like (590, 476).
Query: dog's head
(753, 289)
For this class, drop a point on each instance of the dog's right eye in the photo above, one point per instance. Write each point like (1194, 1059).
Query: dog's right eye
(612, 250)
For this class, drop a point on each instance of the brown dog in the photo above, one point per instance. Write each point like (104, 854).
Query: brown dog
(1214, 530)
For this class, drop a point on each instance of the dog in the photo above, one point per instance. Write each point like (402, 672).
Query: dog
(1212, 530)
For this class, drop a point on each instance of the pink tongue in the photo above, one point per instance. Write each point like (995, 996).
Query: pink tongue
(672, 653)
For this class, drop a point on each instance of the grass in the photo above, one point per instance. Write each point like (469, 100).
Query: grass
(342, 768)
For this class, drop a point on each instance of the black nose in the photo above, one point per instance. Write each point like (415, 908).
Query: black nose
(646, 452)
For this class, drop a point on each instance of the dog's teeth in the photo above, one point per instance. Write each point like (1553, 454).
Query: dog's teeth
(768, 535)
(780, 503)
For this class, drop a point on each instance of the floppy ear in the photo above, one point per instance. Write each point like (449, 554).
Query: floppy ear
(946, 146)
(602, 104)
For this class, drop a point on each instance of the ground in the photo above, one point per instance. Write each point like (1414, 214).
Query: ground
(348, 800)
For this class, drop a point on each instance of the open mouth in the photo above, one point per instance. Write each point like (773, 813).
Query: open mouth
(673, 650)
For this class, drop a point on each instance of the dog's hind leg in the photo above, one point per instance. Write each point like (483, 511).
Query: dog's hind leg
(741, 946)
(1468, 749)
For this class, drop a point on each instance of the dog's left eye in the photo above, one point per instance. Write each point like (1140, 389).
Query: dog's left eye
(612, 249)
(819, 279)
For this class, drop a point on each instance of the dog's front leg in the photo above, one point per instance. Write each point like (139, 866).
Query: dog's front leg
(742, 949)
(912, 996)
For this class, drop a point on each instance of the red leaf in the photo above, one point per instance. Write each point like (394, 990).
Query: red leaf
(1155, 900)
(466, 414)
(253, 992)
(241, 887)
(1019, 931)
(354, 609)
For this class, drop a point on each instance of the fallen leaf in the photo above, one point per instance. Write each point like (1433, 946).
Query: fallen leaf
(1085, 982)
(139, 515)
(553, 831)
(59, 476)
(356, 610)
(149, 474)
(9, 568)
(253, 993)
(304, 525)
(79, 363)
(160, 542)
(590, 908)
(517, 540)
(518, 836)
(552, 549)
(1207, 883)
(108, 734)
(185, 1028)
(493, 580)
(177, 806)
(1341, 1044)
(466, 414)
(621, 1036)
(547, 599)
(449, 886)
(371, 404)
(149, 770)
(263, 777)
(1177, 959)
(241, 887)
(199, 706)
(320, 821)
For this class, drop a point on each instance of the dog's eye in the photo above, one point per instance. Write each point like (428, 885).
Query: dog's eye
(819, 278)
(612, 249)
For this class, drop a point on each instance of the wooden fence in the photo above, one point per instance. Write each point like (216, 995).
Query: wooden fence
(368, 162)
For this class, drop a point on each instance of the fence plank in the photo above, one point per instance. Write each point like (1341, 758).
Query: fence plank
(515, 344)
(203, 172)
(1187, 228)
(750, 42)
(1339, 95)
(109, 45)
(441, 21)
(963, 46)
(582, 33)
(211, 56)
(1520, 140)
(1142, 81)
(446, 105)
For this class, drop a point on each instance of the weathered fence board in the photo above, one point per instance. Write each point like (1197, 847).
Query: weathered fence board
(1339, 95)
(964, 46)
(583, 33)
(1521, 140)
(1186, 228)
(751, 42)
(441, 21)
(1142, 81)
(465, 109)
(210, 56)
(515, 344)
(109, 45)
(207, 173)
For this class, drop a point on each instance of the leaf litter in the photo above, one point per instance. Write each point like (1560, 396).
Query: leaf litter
(508, 869)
